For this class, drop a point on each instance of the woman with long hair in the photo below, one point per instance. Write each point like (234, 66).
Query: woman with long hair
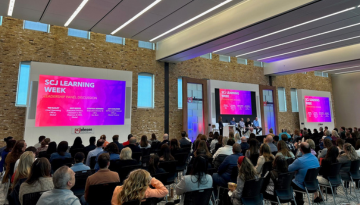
(265, 156)
(166, 154)
(237, 138)
(357, 147)
(197, 180)
(297, 136)
(253, 148)
(136, 187)
(334, 136)
(174, 147)
(51, 149)
(43, 146)
(340, 145)
(77, 144)
(283, 150)
(144, 142)
(39, 179)
(219, 143)
(153, 138)
(350, 154)
(9, 146)
(113, 151)
(61, 152)
(312, 147)
(202, 147)
(246, 172)
(12, 157)
(280, 166)
(154, 165)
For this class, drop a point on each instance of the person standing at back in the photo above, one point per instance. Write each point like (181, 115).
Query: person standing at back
(184, 140)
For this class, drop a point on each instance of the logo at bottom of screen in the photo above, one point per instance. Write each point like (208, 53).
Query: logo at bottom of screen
(82, 130)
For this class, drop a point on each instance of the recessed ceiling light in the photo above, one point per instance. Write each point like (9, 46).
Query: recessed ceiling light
(300, 39)
(310, 47)
(340, 68)
(76, 12)
(193, 19)
(11, 7)
(136, 16)
(354, 71)
(285, 29)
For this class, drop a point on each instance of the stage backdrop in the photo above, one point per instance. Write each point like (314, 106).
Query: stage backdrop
(101, 103)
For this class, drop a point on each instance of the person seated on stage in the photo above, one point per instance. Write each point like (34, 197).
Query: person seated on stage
(79, 163)
(248, 132)
(247, 124)
(184, 139)
(127, 142)
(232, 122)
(241, 126)
(95, 152)
(256, 125)
(133, 146)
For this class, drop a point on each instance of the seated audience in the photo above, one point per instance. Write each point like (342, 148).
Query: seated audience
(327, 145)
(104, 175)
(275, 140)
(349, 139)
(51, 149)
(12, 157)
(165, 139)
(126, 158)
(289, 145)
(284, 151)
(197, 180)
(244, 144)
(95, 152)
(202, 148)
(285, 132)
(166, 154)
(9, 146)
(269, 141)
(297, 136)
(91, 146)
(136, 187)
(5, 140)
(214, 142)
(220, 143)
(21, 174)
(300, 167)
(39, 179)
(105, 142)
(246, 172)
(61, 152)
(64, 180)
(357, 147)
(327, 135)
(350, 154)
(77, 144)
(238, 138)
(31, 149)
(223, 176)
(127, 142)
(340, 144)
(154, 165)
(280, 166)
(44, 145)
(271, 132)
(79, 163)
(144, 143)
(112, 150)
(253, 148)
(226, 150)
(41, 138)
(265, 156)
(249, 131)
(153, 138)
(311, 144)
(174, 147)
(133, 146)
(115, 139)
(184, 139)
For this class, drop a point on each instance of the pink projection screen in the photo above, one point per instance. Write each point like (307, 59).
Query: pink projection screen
(235, 102)
(317, 109)
(71, 101)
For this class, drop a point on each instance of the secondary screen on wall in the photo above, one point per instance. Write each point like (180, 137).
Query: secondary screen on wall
(317, 109)
(235, 102)
(71, 101)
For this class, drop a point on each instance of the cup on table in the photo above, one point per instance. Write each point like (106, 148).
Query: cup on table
(232, 186)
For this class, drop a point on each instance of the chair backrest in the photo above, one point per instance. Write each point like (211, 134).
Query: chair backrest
(136, 156)
(145, 152)
(311, 174)
(154, 146)
(254, 158)
(354, 169)
(133, 202)
(80, 178)
(125, 171)
(181, 158)
(284, 181)
(169, 166)
(101, 193)
(200, 197)
(57, 163)
(32, 198)
(42, 154)
(185, 149)
(267, 167)
(252, 188)
(234, 173)
(186, 146)
(74, 151)
(334, 170)
(161, 177)
(114, 164)
(274, 153)
(219, 159)
(290, 161)
(345, 167)
(92, 162)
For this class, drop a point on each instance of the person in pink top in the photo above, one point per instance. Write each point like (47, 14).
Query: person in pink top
(136, 187)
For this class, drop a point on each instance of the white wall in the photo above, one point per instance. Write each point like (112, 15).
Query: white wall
(213, 84)
(61, 133)
(346, 89)
(302, 117)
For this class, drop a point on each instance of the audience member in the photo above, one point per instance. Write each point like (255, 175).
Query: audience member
(154, 165)
(104, 175)
(144, 143)
(174, 147)
(136, 187)
(269, 141)
(184, 140)
(133, 146)
(280, 166)
(12, 157)
(253, 148)
(244, 145)
(79, 163)
(51, 149)
(202, 148)
(44, 145)
(311, 144)
(9, 146)
(221, 125)
(95, 152)
(342, 133)
(165, 139)
(115, 139)
(248, 132)
(41, 138)
(300, 167)
(77, 144)
(246, 172)
(350, 154)
(112, 150)
(226, 150)
(334, 136)
(39, 179)
(285, 132)
(327, 145)
(349, 139)
(61, 152)
(126, 158)
(6, 139)
(237, 138)
(265, 156)
(31, 149)
(289, 145)
(297, 136)
(321, 132)
(128, 142)
(220, 143)
(197, 180)
(64, 180)
(153, 138)
(357, 147)
(327, 135)
(284, 151)
(105, 142)
(91, 146)
(214, 142)
(166, 154)
(271, 132)
(340, 144)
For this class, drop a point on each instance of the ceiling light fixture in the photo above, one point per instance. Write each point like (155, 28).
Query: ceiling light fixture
(81, 6)
(136, 16)
(340, 69)
(11, 7)
(193, 19)
(281, 44)
(354, 71)
(285, 29)
(310, 47)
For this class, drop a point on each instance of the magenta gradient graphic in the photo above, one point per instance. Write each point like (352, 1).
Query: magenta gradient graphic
(235, 102)
(71, 101)
(317, 109)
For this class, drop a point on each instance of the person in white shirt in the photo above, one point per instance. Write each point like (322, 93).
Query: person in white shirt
(95, 152)
(357, 147)
(213, 142)
(226, 150)
(41, 138)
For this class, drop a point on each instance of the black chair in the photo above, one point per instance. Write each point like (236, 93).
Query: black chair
(346, 176)
(254, 158)
(92, 162)
(181, 158)
(200, 197)
(234, 174)
(154, 146)
(290, 160)
(335, 180)
(57, 163)
(311, 183)
(283, 189)
(42, 154)
(170, 167)
(251, 194)
(133, 202)
(267, 167)
(32, 198)
(161, 177)
(136, 156)
(145, 152)
(80, 178)
(105, 191)
(145, 160)
(125, 171)
(219, 159)
(114, 165)
(74, 151)
(274, 153)
(354, 171)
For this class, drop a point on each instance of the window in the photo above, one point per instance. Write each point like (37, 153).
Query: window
(180, 93)
(294, 100)
(115, 39)
(242, 61)
(325, 74)
(145, 90)
(318, 73)
(78, 33)
(258, 64)
(23, 84)
(303, 72)
(224, 58)
(37, 26)
(282, 99)
(1, 18)
(148, 45)
(207, 56)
